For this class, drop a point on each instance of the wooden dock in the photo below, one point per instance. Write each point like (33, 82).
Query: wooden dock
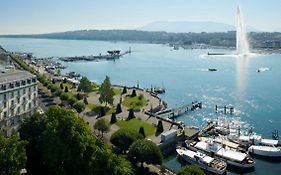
(175, 112)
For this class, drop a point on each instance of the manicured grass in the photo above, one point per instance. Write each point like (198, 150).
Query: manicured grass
(135, 124)
(117, 91)
(137, 102)
(96, 108)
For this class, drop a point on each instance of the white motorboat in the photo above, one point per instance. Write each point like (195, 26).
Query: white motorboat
(205, 162)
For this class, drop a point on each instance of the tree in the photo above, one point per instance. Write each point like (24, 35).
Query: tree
(79, 106)
(124, 137)
(53, 81)
(160, 128)
(102, 125)
(124, 90)
(85, 85)
(66, 89)
(118, 108)
(113, 118)
(59, 140)
(190, 170)
(131, 114)
(106, 92)
(134, 93)
(145, 151)
(12, 155)
(141, 131)
(61, 86)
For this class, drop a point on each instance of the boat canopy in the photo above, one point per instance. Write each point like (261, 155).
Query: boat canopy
(269, 142)
(233, 155)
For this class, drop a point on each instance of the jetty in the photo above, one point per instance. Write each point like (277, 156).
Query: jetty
(111, 55)
(224, 109)
(175, 112)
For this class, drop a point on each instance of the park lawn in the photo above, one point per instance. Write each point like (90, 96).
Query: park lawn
(69, 86)
(134, 102)
(135, 124)
(117, 91)
(96, 108)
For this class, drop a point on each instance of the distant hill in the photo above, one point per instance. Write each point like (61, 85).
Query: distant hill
(187, 26)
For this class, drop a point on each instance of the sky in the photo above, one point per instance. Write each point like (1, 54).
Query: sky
(45, 16)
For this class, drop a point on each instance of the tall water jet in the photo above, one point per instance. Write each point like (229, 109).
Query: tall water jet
(242, 45)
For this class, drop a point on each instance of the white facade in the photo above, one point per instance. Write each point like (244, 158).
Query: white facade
(18, 98)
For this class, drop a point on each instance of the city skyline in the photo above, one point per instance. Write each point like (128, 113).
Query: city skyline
(33, 17)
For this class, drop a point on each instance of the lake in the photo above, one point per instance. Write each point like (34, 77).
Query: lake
(255, 96)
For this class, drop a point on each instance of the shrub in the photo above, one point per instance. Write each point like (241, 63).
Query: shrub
(53, 88)
(113, 118)
(118, 108)
(49, 86)
(66, 89)
(140, 97)
(134, 93)
(61, 85)
(85, 100)
(71, 101)
(79, 96)
(102, 111)
(190, 169)
(160, 128)
(64, 96)
(58, 92)
(53, 81)
(79, 106)
(124, 90)
(141, 131)
(131, 114)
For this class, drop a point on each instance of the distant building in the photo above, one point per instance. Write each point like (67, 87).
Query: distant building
(18, 98)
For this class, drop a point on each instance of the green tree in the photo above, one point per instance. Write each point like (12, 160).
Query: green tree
(145, 151)
(53, 81)
(160, 128)
(79, 106)
(102, 111)
(85, 85)
(124, 137)
(190, 170)
(131, 114)
(59, 140)
(113, 118)
(118, 108)
(106, 92)
(79, 96)
(141, 131)
(102, 125)
(85, 100)
(12, 155)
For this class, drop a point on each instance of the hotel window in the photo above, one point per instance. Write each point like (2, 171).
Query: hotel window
(3, 87)
(5, 96)
(18, 99)
(24, 91)
(34, 88)
(29, 89)
(12, 112)
(29, 105)
(5, 104)
(12, 94)
(18, 93)
(12, 102)
(29, 96)
(5, 114)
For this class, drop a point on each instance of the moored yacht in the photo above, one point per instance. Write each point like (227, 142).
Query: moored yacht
(205, 162)
(231, 156)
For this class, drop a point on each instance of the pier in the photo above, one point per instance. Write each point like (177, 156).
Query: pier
(175, 112)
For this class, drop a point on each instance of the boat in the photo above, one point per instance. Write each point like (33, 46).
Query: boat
(231, 156)
(263, 69)
(215, 53)
(205, 162)
(259, 146)
(212, 69)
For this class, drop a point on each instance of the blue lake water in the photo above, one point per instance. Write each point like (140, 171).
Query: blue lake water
(256, 97)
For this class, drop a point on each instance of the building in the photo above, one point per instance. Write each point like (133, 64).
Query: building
(18, 98)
